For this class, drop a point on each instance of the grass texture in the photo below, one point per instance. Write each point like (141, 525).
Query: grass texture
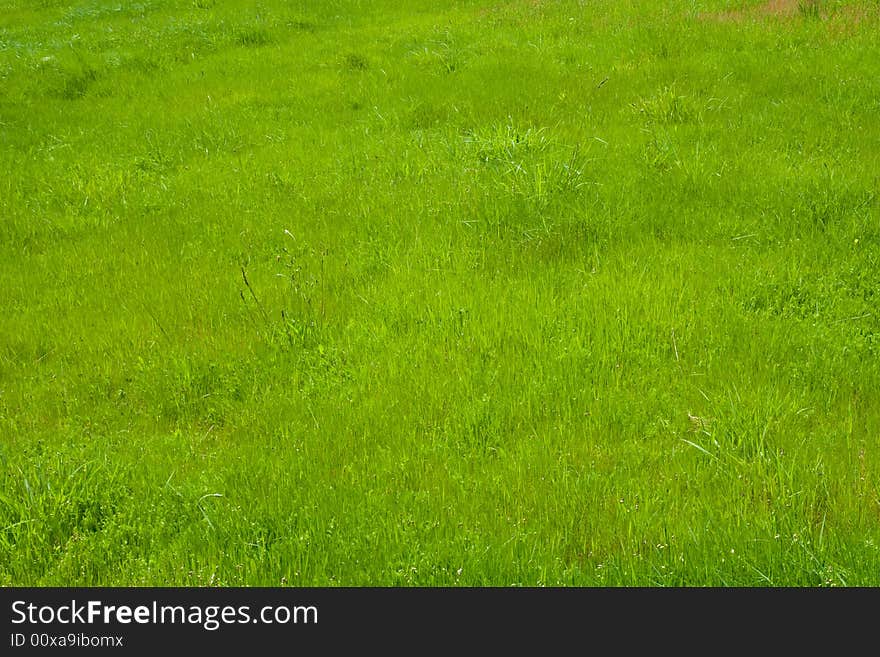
(508, 293)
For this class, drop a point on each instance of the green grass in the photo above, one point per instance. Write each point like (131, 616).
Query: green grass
(439, 293)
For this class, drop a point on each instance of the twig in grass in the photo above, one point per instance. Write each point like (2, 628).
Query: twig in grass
(156, 322)
(312, 413)
(202, 509)
(16, 524)
(323, 255)
(762, 575)
(701, 448)
(51, 351)
(254, 295)
(851, 319)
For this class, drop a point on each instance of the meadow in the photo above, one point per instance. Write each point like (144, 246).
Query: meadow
(453, 293)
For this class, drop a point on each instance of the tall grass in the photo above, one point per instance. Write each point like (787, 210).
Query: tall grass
(343, 293)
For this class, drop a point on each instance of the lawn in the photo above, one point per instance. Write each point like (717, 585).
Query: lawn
(398, 293)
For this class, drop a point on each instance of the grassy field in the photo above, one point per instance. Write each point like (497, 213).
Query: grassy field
(340, 292)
